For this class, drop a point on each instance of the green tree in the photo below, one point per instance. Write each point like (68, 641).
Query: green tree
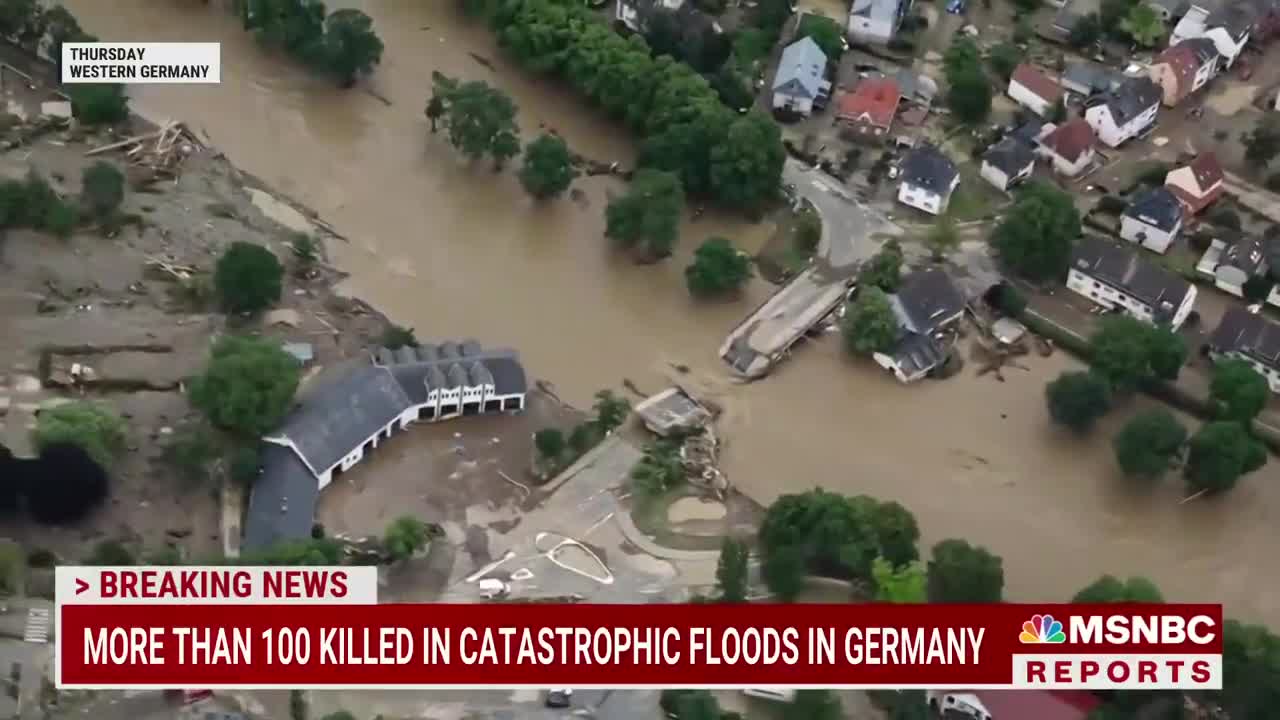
(1121, 351)
(826, 32)
(248, 278)
(1237, 390)
(970, 96)
(961, 56)
(717, 268)
(550, 443)
(838, 536)
(1108, 589)
(395, 337)
(244, 465)
(731, 570)
(1166, 352)
(1004, 59)
(92, 427)
(1220, 453)
(964, 573)
(351, 46)
(659, 469)
(22, 20)
(1143, 25)
(1263, 143)
(93, 104)
(1150, 443)
(784, 572)
(442, 88)
(548, 167)
(1034, 239)
(746, 165)
(1077, 399)
(482, 121)
(610, 411)
(869, 325)
(111, 553)
(942, 237)
(904, 584)
(405, 536)
(102, 189)
(247, 387)
(698, 706)
(647, 218)
(813, 705)
(1250, 671)
(808, 230)
(884, 269)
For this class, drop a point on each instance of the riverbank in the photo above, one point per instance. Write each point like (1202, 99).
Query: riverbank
(455, 250)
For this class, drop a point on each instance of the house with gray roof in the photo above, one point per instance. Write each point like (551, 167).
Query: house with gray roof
(1120, 279)
(339, 424)
(1008, 162)
(928, 179)
(801, 80)
(876, 21)
(1243, 335)
(1153, 220)
(925, 306)
(1126, 112)
(1088, 78)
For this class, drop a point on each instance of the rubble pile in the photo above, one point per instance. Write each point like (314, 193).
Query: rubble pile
(161, 151)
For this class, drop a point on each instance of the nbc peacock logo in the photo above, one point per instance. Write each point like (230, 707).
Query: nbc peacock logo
(1041, 629)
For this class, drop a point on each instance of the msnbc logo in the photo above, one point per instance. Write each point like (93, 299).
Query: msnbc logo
(1041, 629)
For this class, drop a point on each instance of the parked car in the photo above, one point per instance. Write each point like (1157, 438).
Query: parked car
(559, 698)
(956, 7)
(492, 589)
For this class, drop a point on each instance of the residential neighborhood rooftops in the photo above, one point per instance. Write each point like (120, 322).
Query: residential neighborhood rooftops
(1070, 140)
(875, 100)
(1248, 333)
(1010, 155)
(927, 167)
(1033, 79)
(1133, 97)
(1157, 207)
(1128, 271)
(801, 70)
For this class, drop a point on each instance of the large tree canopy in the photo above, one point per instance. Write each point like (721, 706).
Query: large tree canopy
(964, 573)
(647, 218)
(248, 386)
(1077, 399)
(1034, 239)
(1149, 444)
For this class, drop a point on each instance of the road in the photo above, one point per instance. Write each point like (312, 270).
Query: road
(848, 226)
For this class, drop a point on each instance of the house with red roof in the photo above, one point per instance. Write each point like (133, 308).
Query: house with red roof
(1013, 704)
(1197, 185)
(1184, 68)
(868, 111)
(1069, 147)
(1032, 89)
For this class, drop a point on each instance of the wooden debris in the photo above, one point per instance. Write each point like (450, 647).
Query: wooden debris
(162, 150)
(180, 272)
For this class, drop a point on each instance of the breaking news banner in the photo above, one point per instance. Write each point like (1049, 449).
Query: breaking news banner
(314, 627)
(160, 63)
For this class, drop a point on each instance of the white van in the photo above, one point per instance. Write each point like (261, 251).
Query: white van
(492, 588)
(785, 695)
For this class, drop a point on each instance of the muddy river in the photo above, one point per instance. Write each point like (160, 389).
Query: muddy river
(454, 250)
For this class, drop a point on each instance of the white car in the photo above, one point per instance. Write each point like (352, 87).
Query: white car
(492, 588)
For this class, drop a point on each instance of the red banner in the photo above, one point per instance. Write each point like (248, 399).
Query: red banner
(616, 646)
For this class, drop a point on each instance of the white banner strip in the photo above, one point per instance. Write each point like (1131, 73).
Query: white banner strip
(217, 585)
(160, 63)
(1118, 672)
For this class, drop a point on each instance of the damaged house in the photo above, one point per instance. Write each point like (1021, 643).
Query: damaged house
(926, 305)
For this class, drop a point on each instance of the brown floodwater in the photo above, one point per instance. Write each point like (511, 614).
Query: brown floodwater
(456, 250)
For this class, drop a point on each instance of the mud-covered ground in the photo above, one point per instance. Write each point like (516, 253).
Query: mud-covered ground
(137, 326)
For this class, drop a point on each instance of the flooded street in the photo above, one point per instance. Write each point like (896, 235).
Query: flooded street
(457, 251)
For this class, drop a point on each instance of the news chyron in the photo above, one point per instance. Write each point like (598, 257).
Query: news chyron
(161, 63)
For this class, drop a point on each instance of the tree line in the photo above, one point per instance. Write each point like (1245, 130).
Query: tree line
(341, 43)
(735, 159)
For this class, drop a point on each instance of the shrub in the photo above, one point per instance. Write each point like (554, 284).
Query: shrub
(244, 464)
(248, 278)
(92, 427)
(1225, 218)
(99, 104)
(396, 337)
(102, 189)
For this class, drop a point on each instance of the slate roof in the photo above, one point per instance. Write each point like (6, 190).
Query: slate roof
(1236, 17)
(1127, 271)
(928, 168)
(925, 299)
(801, 69)
(338, 417)
(874, 100)
(283, 502)
(1093, 77)
(1156, 207)
(452, 365)
(1031, 78)
(1070, 140)
(1010, 156)
(1248, 333)
(1133, 97)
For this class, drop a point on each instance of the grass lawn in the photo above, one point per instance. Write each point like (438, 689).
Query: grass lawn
(975, 198)
(784, 256)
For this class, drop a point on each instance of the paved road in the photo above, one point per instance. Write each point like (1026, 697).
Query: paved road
(847, 224)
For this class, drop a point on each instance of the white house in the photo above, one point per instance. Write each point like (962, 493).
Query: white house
(1032, 89)
(876, 21)
(928, 179)
(1069, 147)
(926, 305)
(1228, 26)
(1184, 68)
(1250, 337)
(1152, 220)
(338, 425)
(1198, 184)
(800, 81)
(1120, 279)
(1008, 163)
(1126, 112)
(1232, 263)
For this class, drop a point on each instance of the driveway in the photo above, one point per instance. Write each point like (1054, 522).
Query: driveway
(847, 225)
